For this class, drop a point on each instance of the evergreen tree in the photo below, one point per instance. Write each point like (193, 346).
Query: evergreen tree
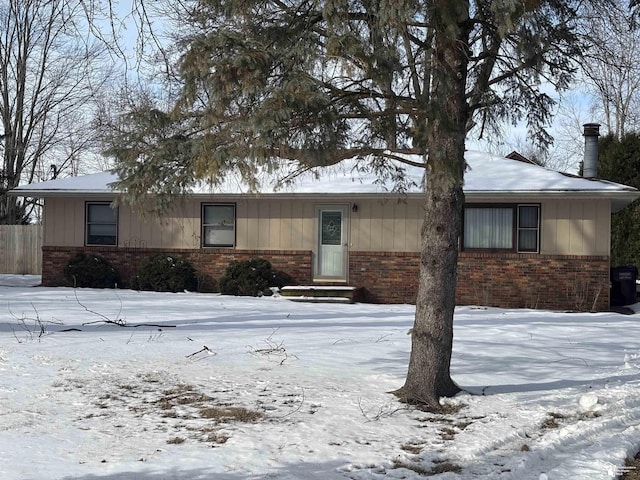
(620, 162)
(320, 81)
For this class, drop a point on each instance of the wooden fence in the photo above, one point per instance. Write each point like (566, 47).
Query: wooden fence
(21, 249)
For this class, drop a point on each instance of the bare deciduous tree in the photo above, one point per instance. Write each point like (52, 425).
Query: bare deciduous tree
(611, 66)
(50, 71)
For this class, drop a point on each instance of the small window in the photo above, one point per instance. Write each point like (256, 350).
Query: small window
(219, 225)
(528, 228)
(502, 227)
(102, 224)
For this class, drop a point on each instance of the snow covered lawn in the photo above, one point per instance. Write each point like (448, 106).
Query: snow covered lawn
(115, 385)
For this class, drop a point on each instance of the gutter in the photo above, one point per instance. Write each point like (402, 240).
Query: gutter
(628, 193)
(58, 193)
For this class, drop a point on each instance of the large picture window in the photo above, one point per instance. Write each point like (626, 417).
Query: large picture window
(218, 225)
(101, 224)
(501, 227)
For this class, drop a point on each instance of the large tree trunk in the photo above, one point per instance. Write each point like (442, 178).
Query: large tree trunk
(429, 377)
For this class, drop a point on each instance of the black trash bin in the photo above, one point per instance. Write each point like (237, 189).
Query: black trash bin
(623, 285)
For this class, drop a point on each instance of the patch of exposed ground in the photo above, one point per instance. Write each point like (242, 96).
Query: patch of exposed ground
(631, 469)
(184, 411)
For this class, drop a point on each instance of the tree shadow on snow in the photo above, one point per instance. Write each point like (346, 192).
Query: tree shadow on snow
(297, 471)
(548, 386)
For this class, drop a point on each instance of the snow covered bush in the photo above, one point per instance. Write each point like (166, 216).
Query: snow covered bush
(251, 277)
(92, 271)
(164, 273)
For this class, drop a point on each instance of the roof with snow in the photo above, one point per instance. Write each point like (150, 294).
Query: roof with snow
(486, 176)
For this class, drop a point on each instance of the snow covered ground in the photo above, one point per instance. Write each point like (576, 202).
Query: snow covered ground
(115, 385)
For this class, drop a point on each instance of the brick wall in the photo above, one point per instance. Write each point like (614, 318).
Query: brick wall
(559, 282)
(384, 277)
(504, 280)
(209, 264)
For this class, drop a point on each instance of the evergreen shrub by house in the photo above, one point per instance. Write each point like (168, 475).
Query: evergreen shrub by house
(91, 271)
(251, 277)
(165, 273)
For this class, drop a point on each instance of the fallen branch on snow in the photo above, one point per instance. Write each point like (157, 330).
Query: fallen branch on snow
(203, 349)
(122, 323)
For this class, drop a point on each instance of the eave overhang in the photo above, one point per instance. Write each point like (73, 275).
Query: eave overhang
(619, 198)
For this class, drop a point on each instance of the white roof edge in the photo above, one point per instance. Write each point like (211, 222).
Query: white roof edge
(58, 193)
(41, 193)
(627, 193)
(631, 192)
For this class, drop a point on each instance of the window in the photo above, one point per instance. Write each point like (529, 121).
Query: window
(331, 226)
(502, 227)
(219, 225)
(528, 228)
(488, 228)
(102, 224)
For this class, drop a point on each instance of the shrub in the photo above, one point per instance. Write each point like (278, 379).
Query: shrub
(164, 273)
(92, 271)
(251, 277)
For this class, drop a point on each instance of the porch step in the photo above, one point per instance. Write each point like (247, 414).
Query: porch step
(318, 294)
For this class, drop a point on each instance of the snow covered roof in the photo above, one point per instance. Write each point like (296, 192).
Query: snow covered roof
(486, 176)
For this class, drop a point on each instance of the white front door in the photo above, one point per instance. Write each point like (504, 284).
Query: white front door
(332, 243)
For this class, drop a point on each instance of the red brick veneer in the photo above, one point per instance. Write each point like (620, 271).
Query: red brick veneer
(210, 264)
(564, 282)
(559, 282)
(384, 277)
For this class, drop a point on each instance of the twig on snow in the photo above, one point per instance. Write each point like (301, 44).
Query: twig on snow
(297, 409)
(272, 348)
(38, 325)
(122, 323)
(203, 349)
(107, 319)
(383, 412)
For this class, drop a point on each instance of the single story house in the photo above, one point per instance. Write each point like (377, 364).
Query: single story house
(532, 237)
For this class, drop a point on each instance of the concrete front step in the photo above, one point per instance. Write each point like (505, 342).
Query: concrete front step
(319, 293)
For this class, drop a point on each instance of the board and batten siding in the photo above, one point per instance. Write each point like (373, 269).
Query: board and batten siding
(388, 225)
(568, 226)
(63, 222)
(576, 227)
(274, 224)
(267, 224)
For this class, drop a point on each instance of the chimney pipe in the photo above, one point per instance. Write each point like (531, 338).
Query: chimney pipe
(590, 164)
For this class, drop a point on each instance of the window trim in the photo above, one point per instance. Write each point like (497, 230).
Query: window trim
(515, 227)
(203, 243)
(87, 205)
(537, 227)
